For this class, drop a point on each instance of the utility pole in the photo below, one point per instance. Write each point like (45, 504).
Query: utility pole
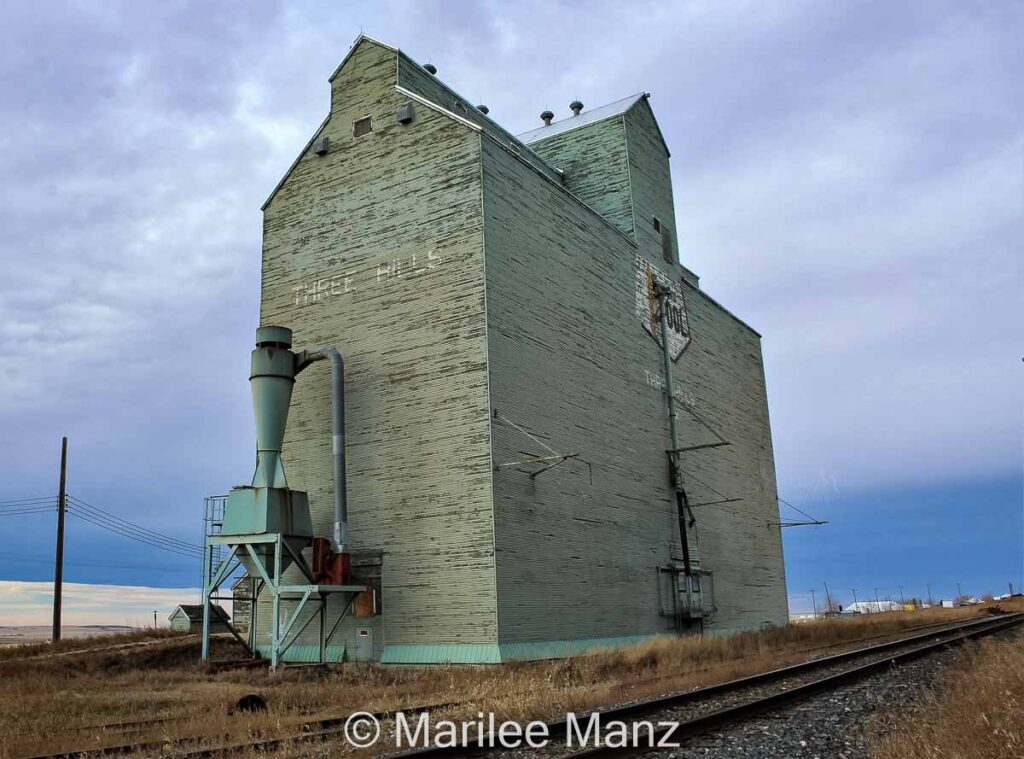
(814, 604)
(828, 599)
(929, 586)
(878, 604)
(959, 593)
(1011, 588)
(154, 619)
(902, 602)
(58, 571)
(854, 591)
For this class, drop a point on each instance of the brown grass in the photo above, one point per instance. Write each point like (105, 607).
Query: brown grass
(45, 701)
(974, 711)
(93, 642)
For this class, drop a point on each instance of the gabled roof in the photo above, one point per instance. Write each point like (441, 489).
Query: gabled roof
(618, 108)
(483, 121)
(194, 612)
(352, 49)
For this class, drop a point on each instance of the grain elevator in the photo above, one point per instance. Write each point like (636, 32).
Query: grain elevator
(554, 439)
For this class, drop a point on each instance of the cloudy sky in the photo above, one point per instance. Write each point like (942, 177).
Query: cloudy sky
(848, 179)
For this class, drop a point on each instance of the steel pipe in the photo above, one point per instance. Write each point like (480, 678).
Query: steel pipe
(338, 445)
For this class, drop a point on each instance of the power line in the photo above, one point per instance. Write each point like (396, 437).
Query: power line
(114, 520)
(103, 514)
(29, 500)
(113, 527)
(36, 510)
(100, 564)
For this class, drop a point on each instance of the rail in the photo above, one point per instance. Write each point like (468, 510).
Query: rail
(332, 728)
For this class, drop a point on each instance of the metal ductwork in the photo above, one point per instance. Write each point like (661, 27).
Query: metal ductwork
(340, 535)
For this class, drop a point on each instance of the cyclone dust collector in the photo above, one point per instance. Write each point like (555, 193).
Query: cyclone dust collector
(267, 525)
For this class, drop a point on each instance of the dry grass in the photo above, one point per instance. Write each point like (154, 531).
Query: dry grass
(45, 702)
(93, 642)
(975, 710)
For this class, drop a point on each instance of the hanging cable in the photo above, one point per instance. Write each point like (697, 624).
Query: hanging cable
(195, 553)
(36, 510)
(811, 520)
(28, 502)
(115, 520)
(101, 564)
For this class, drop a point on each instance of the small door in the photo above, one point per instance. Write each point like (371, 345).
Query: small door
(363, 650)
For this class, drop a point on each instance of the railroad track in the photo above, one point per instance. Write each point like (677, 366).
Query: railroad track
(126, 728)
(736, 694)
(709, 708)
(186, 745)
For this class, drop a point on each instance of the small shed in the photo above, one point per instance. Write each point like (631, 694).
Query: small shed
(189, 618)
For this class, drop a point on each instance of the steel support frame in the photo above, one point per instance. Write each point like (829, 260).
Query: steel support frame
(273, 582)
(211, 583)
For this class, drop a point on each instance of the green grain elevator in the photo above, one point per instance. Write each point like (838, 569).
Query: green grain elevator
(555, 439)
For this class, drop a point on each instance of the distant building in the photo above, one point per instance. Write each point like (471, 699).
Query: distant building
(189, 618)
(872, 607)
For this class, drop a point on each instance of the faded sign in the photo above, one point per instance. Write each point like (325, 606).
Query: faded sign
(647, 275)
(333, 284)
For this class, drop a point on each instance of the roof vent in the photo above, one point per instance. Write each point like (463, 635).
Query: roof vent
(322, 146)
(483, 109)
(431, 68)
(575, 106)
(546, 117)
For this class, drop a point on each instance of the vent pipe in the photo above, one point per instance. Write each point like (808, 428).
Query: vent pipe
(575, 106)
(340, 535)
(546, 117)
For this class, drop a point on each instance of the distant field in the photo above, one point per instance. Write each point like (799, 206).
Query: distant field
(13, 636)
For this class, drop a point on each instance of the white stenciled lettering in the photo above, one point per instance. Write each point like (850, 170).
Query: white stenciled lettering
(337, 284)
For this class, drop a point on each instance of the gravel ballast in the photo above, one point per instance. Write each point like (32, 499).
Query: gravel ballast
(832, 724)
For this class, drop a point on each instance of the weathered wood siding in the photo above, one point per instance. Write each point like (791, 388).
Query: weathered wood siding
(575, 558)
(470, 292)
(413, 77)
(720, 378)
(650, 182)
(594, 159)
(571, 364)
(377, 248)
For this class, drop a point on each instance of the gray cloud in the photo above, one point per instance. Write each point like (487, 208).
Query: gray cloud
(848, 180)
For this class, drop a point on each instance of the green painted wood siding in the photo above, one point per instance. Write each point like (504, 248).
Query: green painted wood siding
(377, 248)
(570, 363)
(575, 558)
(650, 182)
(413, 77)
(720, 376)
(594, 160)
(467, 288)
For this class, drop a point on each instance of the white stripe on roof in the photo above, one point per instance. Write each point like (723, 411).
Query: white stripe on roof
(587, 117)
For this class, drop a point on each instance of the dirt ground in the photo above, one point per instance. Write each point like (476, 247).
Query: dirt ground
(155, 690)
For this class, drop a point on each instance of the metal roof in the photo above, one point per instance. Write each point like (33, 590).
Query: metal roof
(194, 612)
(617, 108)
